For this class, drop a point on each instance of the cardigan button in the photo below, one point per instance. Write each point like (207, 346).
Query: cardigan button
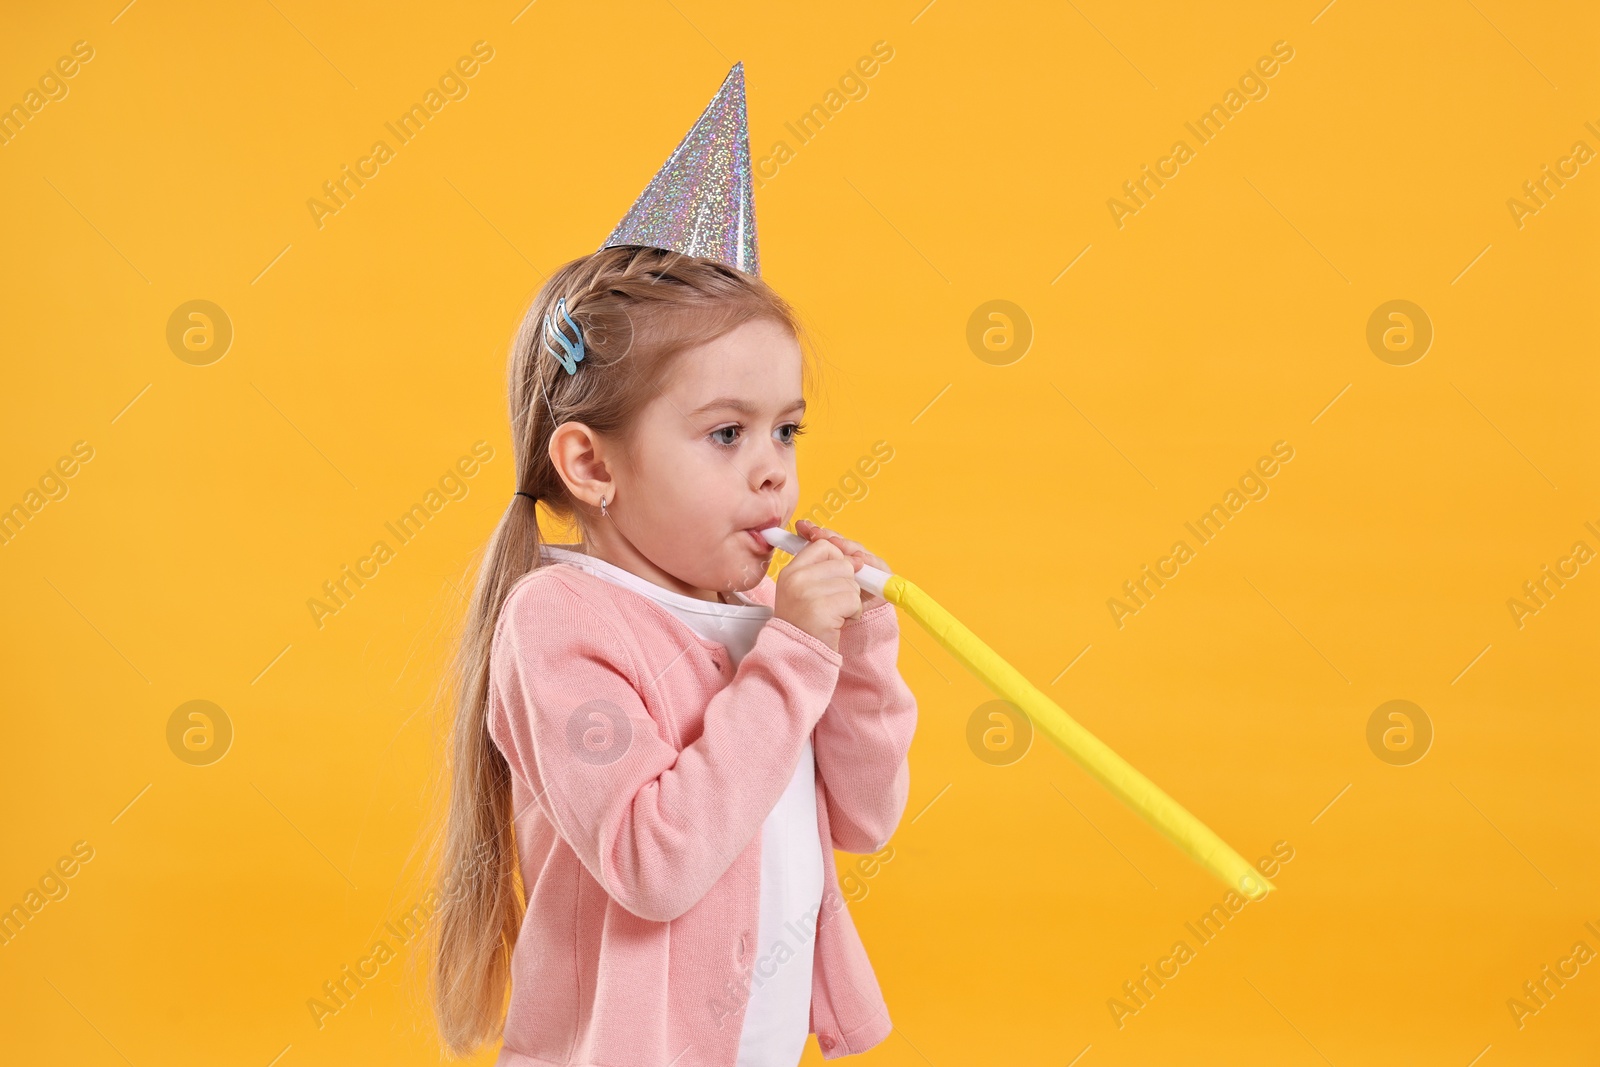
(826, 1041)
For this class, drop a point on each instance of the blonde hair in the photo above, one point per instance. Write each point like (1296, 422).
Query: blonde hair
(639, 309)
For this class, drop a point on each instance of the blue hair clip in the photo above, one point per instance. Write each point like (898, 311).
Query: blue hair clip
(573, 354)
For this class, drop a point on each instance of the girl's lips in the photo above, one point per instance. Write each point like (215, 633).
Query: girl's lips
(758, 542)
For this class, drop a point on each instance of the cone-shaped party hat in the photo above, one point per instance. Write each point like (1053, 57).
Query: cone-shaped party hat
(702, 200)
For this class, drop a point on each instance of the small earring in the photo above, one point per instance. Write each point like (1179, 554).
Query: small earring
(603, 507)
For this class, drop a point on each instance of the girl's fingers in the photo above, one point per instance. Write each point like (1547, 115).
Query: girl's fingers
(816, 552)
(847, 546)
(812, 532)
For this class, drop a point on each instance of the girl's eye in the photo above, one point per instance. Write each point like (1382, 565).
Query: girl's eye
(794, 431)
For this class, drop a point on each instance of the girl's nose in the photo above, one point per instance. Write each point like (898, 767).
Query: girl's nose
(771, 470)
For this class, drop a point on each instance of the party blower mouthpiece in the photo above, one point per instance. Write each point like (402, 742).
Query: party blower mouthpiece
(1158, 809)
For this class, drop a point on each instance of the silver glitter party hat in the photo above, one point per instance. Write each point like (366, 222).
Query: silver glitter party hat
(702, 200)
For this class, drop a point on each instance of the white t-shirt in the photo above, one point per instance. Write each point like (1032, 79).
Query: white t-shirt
(778, 1015)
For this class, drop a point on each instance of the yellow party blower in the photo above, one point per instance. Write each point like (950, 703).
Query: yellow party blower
(1114, 772)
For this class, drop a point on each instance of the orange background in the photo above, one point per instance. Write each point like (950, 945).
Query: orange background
(1228, 313)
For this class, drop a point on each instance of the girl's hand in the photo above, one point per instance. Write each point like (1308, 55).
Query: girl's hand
(852, 549)
(817, 592)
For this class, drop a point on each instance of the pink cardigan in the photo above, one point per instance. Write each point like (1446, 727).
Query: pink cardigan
(643, 767)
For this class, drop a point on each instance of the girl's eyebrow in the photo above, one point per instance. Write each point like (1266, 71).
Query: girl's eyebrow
(742, 406)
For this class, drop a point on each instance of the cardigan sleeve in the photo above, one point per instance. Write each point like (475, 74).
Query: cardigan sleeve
(862, 745)
(655, 826)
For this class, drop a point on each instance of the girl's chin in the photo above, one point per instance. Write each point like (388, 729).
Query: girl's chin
(746, 575)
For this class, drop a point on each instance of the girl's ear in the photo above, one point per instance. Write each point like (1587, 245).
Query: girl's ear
(576, 453)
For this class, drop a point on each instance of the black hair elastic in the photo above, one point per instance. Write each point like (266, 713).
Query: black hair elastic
(530, 496)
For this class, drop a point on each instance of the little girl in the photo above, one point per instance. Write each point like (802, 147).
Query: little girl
(657, 743)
